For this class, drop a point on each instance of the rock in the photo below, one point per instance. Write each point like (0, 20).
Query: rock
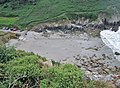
(18, 35)
(115, 28)
(88, 75)
(117, 83)
(83, 69)
(87, 78)
(38, 30)
(104, 55)
(109, 77)
(77, 58)
(92, 61)
(85, 64)
(79, 66)
(95, 73)
(45, 64)
(111, 68)
(106, 71)
(96, 77)
(116, 53)
(90, 69)
(95, 65)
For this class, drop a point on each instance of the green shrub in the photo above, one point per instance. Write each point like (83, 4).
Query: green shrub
(26, 65)
(64, 76)
(23, 70)
(19, 69)
(7, 54)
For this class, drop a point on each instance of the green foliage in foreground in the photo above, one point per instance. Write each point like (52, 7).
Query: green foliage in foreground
(64, 76)
(23, 70)
(19, 69)
(24, 66)
(7, 54)
(53, 10)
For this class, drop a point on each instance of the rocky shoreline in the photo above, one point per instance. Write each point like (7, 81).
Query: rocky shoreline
(82, 25)
(76, 36)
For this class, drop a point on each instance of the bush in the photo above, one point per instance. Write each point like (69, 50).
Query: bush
(26, 66)
(20, 69)
(23, 70)
(7, 54)
(19, 66)
(64, 76)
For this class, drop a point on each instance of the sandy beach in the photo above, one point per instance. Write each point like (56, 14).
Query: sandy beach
(65, 47)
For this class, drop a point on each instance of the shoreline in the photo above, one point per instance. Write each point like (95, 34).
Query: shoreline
(83, 48)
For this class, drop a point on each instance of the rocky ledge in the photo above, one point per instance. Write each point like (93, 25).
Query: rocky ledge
(82, 25)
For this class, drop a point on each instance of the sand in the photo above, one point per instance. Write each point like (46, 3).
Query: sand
(64, 47)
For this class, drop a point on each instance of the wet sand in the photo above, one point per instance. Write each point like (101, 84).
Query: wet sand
(65, 47)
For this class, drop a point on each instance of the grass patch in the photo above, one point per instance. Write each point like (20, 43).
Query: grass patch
(46, 10)
(5, 37)
(8, 20)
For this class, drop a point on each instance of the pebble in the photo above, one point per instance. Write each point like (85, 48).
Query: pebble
(97, 77)
(95, 73)
(117, 83)
(109, 77)
(107, 71)
(86, 78)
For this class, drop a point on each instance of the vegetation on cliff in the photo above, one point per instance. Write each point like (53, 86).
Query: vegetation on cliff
(32, 12)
